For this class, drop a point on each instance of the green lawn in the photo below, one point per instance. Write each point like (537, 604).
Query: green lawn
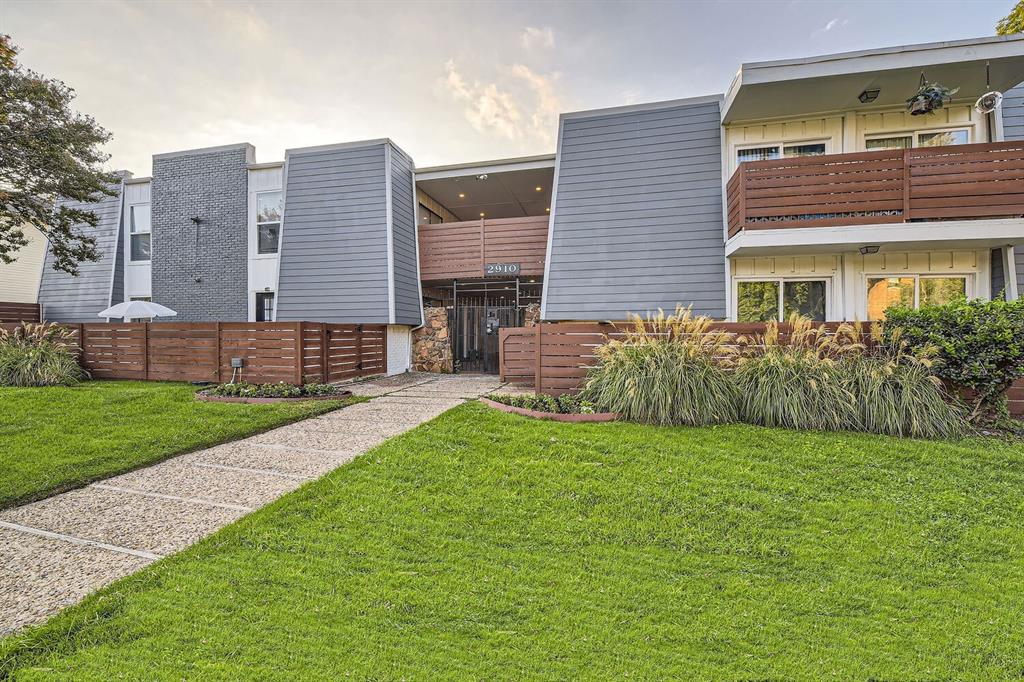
(486, 546)
(57, 438)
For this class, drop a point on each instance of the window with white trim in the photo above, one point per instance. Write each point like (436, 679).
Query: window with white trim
(264, 306)
(763, 300)
(913, 291)
(268, 222)
(139, 231)
(918, 138)
(780, 151)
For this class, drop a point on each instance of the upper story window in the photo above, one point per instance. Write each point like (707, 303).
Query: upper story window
(139, 229)
(780, 151)
(918, 138)
(268, 221)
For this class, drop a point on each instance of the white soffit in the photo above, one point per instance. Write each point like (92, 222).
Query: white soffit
(829, 83)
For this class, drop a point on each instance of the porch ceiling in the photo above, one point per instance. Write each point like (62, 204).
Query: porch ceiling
(504, 194)
(832, 83)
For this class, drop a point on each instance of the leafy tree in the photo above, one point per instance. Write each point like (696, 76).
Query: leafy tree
(47, 151)
(1012, 22)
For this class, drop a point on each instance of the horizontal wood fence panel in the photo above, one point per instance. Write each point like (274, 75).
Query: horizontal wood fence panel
(461, 249)
(928, 183)
(13, 313)
(271, 352)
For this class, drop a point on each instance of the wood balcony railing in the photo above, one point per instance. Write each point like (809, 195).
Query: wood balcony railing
(864, 188)
(461, 250)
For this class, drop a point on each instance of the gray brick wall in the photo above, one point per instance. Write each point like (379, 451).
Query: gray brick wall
(200, 271)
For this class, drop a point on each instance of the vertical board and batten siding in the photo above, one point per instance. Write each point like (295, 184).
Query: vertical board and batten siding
(408, 302)
(334, 242)
(67, 298)
(637, 217)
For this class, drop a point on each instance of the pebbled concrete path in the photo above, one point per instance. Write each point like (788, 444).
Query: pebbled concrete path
(56, 551)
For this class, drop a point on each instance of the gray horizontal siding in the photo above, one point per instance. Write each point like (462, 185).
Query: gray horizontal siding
(1013, 113)
(77, 299)
(403, 237)
(637, 215)
(334, 248)
(998, 276)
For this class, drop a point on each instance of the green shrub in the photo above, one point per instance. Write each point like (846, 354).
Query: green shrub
(565, 404)
(798, 382)
(279, 390)
(980, 345)
(39, 355)
(666, 370)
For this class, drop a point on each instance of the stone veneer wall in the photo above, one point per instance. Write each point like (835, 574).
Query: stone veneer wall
(431, 343)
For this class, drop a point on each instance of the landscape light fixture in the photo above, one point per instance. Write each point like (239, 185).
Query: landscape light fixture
(868, 96)
(873, 248)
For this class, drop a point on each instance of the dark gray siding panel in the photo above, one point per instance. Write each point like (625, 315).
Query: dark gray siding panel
(334, 246)
(403, 240)
(200, 271)
(1013, 113)
(998, 276)
(637, 220)
(78, 299)
(1018, 255)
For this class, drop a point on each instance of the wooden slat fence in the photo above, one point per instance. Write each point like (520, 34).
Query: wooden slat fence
(554, 357)
(891, 186)
(12, 313)
(453, 250)
(292, 352)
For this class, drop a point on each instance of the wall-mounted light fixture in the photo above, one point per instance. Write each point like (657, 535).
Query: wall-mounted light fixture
(872, 248)
(868, 96)
(196, 219)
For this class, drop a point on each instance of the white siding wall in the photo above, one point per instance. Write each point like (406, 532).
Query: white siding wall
(262, 266)
(399, 342)
(19, 281)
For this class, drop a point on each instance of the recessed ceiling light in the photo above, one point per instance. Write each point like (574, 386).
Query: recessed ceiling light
(539, 189)
(462, 195)
(482, 214)
(548, 209)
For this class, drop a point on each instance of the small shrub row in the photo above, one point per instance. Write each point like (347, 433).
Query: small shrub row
(677, 370)
(39, 355)
(564, 404)
(279, 390)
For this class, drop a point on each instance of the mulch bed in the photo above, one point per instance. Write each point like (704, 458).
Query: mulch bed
(553, 416)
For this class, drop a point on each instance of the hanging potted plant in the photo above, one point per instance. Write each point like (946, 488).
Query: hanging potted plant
(929, 97)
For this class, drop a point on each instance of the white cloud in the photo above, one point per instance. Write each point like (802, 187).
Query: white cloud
(533, 37)
(524, 105)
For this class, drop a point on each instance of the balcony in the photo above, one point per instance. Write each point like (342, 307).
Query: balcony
(461, 250)
(961, 182)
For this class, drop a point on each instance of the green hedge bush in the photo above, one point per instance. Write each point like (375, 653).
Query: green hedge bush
(979, 345)
(563, 404)
(280, 390)
(39, 355)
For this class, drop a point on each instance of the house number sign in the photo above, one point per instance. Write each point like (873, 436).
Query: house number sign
(501, 269)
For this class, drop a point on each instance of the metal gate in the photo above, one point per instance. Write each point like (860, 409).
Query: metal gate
(475, 333)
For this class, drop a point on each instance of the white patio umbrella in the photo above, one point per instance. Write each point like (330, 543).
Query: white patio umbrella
(137, 309)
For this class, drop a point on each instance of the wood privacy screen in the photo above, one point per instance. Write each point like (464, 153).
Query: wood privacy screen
(292, 352)
(19, 312)
(892, 186)
(454, 250)
(554, 357)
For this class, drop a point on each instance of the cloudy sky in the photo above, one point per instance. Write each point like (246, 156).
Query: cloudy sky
(449, 82)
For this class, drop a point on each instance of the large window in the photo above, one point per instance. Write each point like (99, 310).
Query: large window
(912, 291)
(139, 230)
(268, 222)
(780, 151)
(264, 306)
(778, 299)
(920, 138)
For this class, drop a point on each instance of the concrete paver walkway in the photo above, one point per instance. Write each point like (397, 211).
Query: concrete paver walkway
(56, 551)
